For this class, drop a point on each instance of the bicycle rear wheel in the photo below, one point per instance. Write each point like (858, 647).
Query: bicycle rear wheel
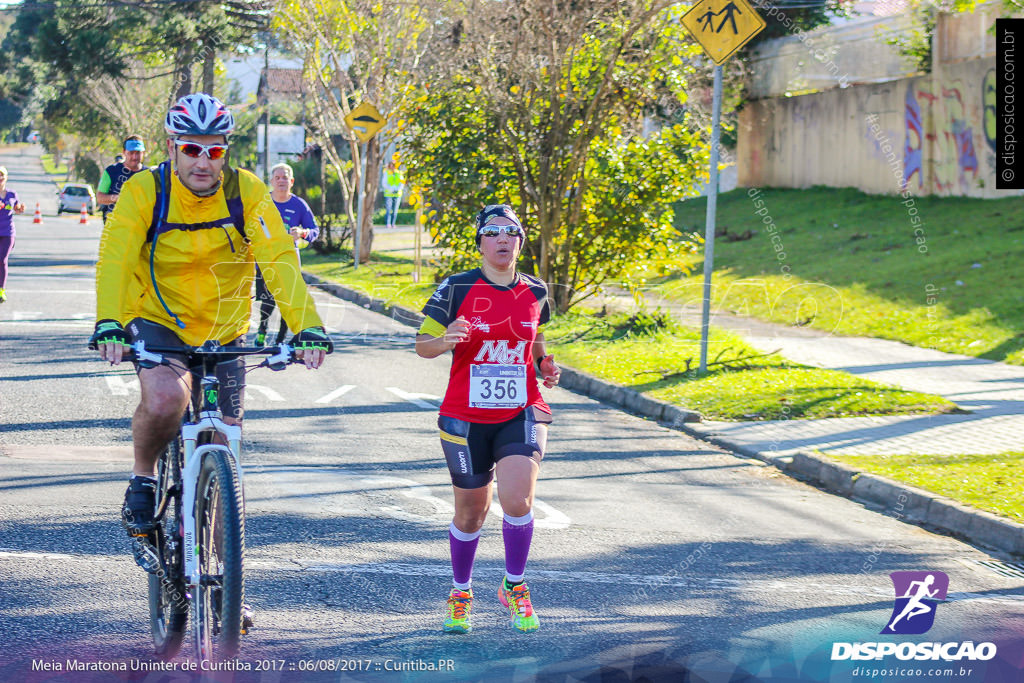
(220, 526)
(168, 600)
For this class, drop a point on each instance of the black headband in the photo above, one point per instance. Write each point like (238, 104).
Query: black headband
(493, 211)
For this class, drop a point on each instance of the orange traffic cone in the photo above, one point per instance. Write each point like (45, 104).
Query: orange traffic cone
(38, 218)
(85, 216)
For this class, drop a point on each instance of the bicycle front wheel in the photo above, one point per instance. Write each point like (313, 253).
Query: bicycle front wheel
(220, 526)
(168, 602)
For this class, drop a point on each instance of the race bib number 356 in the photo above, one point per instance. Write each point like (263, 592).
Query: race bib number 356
(497, 386)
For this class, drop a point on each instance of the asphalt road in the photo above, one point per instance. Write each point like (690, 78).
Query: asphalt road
(655, 556)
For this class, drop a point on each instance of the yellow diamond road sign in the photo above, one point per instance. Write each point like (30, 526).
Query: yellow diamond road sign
(722, 27)
(364, 121)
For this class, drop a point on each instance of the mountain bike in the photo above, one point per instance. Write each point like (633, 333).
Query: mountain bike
(195, 556)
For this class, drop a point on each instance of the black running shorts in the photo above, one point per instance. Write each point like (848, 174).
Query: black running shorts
(230, 373)
(472, 449)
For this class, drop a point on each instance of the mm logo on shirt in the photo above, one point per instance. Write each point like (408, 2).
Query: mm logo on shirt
(497, 351)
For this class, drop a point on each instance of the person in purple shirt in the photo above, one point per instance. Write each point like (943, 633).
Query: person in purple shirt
(298, 218)
(10, 206)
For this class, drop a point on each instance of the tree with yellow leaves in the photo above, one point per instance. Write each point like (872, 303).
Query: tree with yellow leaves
(356, 51)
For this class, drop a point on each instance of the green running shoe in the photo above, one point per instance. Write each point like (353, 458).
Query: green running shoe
(517, 600)
(459, 604)
(3, 295)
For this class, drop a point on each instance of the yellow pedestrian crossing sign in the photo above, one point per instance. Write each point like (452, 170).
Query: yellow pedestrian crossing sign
(722, 27)
(364, 121)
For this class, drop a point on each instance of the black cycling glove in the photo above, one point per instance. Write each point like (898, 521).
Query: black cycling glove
(107, 332)
(312, 338)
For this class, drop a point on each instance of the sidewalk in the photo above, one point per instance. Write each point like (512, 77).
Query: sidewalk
(994, 392)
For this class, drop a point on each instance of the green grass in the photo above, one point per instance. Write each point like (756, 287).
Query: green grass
(653, 355)
(855, 267)
(51, 169)
(987, 482)
(742, 384)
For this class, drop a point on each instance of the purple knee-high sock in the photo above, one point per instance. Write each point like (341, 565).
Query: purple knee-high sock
(517, 532)
(463, 549)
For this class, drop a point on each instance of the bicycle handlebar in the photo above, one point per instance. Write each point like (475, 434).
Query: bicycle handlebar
(278, 357)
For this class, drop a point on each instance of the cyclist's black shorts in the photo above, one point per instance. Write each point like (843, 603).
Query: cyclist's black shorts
(231, 373)
(472, 449)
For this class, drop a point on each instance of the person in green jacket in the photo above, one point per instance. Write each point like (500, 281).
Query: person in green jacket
(393, 186)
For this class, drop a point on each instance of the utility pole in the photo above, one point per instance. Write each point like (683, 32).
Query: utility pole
(266, 112)
(709, 224)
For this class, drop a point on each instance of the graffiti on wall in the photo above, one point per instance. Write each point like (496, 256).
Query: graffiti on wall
(914, 141)
(939, 120)
(988, 105)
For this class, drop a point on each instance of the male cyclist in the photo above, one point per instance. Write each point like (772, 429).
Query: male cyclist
(175, 268)
(115, 175)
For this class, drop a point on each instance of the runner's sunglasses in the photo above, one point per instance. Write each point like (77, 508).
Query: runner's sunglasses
(495, 230)
(194, 149)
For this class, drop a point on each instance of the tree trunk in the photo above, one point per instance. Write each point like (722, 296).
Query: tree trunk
(370, 187)
(323, 185)
(183, 73)
(208, 65)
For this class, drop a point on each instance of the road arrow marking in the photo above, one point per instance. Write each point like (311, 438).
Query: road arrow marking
(337, 393)
(119, 387)
(267, 392)
(551, 518)
(416, 398)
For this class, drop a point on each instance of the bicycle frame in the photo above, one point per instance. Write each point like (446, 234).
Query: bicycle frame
(208, 420)
(209, 456)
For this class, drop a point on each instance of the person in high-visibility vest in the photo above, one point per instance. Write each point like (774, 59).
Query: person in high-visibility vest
(393, 186)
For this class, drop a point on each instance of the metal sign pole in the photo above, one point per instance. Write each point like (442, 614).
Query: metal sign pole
(709, 225)
(359, 206)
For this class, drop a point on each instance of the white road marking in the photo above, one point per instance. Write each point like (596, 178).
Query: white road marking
(19, 316)
(82, 325)
(119, 387)
(413, 489)
(337, 393)
(37, 292)
(14, 553)
(550, 518)
(267, 392)
(416, 399)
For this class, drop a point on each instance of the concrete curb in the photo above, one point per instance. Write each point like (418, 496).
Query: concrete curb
(891, 498)
(894, 499)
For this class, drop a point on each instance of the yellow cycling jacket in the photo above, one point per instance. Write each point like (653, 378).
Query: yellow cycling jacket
(202, 266)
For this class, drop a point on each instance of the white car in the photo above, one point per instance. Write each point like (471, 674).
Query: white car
(74, 196)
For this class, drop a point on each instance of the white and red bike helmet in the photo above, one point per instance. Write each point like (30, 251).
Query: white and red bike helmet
(199, 114)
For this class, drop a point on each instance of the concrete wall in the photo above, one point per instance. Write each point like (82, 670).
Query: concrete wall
(830, 57)
(931, 130)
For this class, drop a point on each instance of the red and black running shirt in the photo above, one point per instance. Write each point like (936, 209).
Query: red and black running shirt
(493, 376)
